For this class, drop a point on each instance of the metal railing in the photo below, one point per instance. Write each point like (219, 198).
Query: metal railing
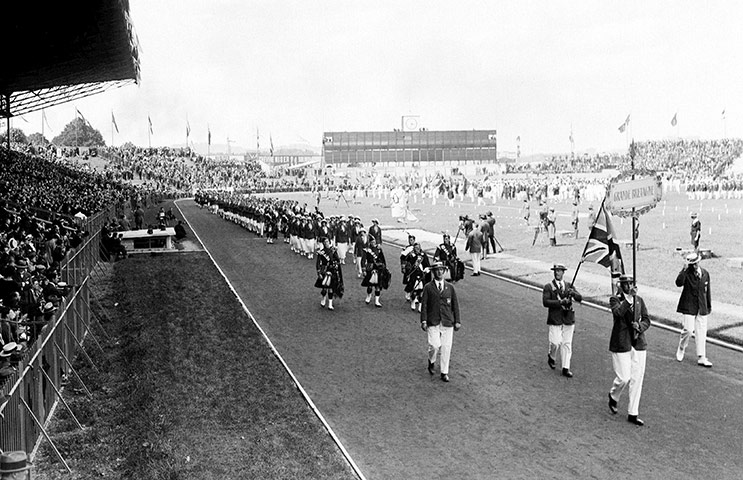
(30, 395)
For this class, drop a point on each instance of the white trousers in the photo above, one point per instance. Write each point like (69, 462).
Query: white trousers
(343, 251)
(561, 337)
(629, 368)
(440, 339)
(475, 261)
(696, 324)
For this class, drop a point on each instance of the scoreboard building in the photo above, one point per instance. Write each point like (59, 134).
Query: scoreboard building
(401, 148)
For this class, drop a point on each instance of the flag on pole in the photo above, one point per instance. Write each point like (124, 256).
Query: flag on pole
(257, 140)
(43, 119)
(624, 126)
(673, 120)
(518, 138)
(149, 121)
(723, 114)
(601, 247)
(270, 139)
(208, 135)
(188, 129)
(571, 137)
(83, 118)
(113, 120)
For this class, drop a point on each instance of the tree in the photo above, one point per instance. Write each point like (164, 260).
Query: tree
(16, 136)
(79, 133)
(38, 139)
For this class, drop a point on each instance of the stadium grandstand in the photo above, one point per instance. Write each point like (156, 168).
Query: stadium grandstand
(403, 148)
(54, 218)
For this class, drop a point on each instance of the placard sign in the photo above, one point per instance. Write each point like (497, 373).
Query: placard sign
(642, 194)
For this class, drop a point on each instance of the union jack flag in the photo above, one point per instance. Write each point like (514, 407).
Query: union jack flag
(601, 247)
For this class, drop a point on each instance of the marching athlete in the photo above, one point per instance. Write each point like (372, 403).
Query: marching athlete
(377, 275)
(329, 274)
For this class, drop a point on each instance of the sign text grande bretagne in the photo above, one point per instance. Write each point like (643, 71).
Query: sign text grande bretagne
(638, 193)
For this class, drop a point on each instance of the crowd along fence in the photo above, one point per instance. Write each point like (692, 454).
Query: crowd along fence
(29, 397)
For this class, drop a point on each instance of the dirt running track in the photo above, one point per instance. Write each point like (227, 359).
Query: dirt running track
(504, 414)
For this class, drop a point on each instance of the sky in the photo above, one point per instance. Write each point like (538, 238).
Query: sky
(290, 70)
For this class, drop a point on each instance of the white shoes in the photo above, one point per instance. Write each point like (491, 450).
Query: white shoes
(368, 298)
(704, 362)
(680, 354)
(412, 305)
(322, 302)
(330, 305)
(376, 302)
(407, 296)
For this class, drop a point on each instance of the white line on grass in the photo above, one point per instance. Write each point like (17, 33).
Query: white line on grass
(276, 353)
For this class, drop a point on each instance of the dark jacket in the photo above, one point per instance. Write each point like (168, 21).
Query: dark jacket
(696, 297)
(439, 307)
(559, 314)
(630, 323)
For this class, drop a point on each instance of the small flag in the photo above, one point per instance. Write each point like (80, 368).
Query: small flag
(208, 135)
(723, 114)
(673, 120)
(150, 123)
(600, 247)
(83, 118)
(113, 120)
(188, 129)
(257, 140)
(43, 118)
(624, 126)
(270, 139)
(518, 138)
(571, 137)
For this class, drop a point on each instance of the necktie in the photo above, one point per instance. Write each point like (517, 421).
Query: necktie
(441, 287)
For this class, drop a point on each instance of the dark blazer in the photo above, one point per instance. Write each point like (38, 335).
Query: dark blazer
(624, 335)
(439, 307)
(551, 295)
(696, 297)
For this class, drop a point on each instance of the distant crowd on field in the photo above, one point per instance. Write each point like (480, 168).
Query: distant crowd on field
(685, 158)
(179, 171)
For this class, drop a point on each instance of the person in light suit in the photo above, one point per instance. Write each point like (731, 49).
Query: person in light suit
(439, 319)
(628, 347)
(558, 296)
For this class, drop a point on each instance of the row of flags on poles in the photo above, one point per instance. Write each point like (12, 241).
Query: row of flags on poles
(188, 131)
(674, 121)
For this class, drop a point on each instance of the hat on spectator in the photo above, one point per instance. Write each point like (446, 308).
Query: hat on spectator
(13, 243)
(15, 461)
(9, 349)
(692, 258)
(48, 308)
(552, 208)
(558, 266)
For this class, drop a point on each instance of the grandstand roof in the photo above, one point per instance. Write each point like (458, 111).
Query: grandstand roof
(56, 52)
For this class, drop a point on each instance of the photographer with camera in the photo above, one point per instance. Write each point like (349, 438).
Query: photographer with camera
(628, 347)
(558, 296)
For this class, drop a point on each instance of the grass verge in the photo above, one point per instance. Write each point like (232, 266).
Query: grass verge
(188, 388)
